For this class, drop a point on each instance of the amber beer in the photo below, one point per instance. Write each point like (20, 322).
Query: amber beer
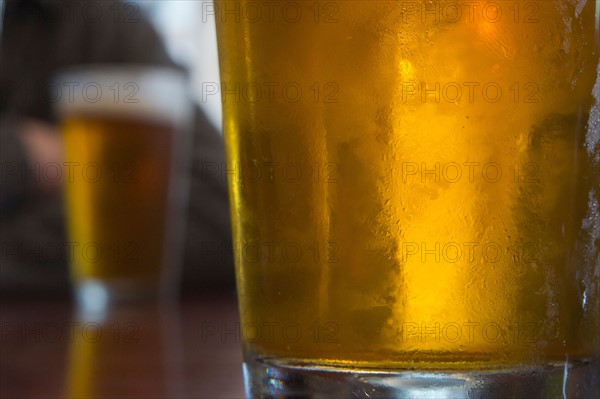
(123, 132)
(440, 211)
(117, 200)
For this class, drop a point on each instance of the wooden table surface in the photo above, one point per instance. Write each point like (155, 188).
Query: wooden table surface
(188, 350)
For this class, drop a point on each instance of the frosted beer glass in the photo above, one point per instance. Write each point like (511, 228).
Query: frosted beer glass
(126, 133)
(415, 196)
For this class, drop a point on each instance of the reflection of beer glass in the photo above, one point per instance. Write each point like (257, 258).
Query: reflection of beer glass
(125, 130)
(132, 351)
(415, 190)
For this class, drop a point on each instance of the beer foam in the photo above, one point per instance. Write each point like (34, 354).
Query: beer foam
(158, 94)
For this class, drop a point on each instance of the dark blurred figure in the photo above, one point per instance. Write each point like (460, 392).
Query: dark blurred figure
(39, 38)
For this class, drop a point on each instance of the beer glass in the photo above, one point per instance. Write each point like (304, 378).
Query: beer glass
(415, 192)
(126, 133)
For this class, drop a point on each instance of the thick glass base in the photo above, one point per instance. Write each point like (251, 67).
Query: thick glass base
(275, 379)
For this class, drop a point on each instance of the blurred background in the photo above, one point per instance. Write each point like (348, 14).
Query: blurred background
(49, 348)
(181, 23)
(40, 38)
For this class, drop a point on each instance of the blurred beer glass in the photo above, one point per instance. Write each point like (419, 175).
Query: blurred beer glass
(126, 133)
(415, 195)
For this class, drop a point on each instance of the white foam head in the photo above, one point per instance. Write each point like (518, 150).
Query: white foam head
(129, 91)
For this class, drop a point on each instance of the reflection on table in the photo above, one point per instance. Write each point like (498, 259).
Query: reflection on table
(186, 350)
